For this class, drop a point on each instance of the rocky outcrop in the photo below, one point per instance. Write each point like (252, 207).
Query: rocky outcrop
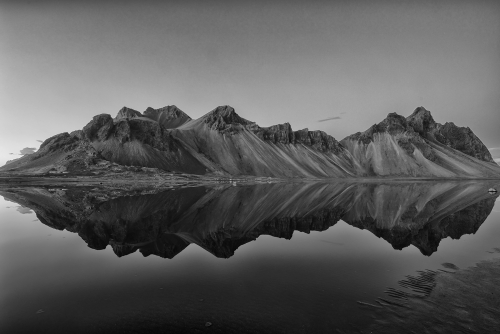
(99, 128)
(225, 120)
(127, 113)
(421, 121)
(459, 138)
(280, 133)
(60, 153)
(463, 140)
(63, 140)
(401, 130)
(283, 134)
(169, 117)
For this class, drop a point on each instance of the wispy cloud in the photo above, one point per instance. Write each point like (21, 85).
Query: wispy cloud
(24, 210)
(41, 141)
(329, 119)
(27, 150)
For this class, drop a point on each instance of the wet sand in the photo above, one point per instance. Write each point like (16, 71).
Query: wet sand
(465, 301)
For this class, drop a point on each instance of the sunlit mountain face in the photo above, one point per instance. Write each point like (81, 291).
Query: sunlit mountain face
(220, 219)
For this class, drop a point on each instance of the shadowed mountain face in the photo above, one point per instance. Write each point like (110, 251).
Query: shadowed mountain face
(221, 219)
(418, 146)
(223, 143)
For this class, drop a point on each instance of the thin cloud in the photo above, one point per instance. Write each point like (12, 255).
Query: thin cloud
(27, 150)
(329, 119)
(41, 141)
(24, 210)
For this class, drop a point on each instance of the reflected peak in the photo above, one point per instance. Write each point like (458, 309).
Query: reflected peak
(221, 219)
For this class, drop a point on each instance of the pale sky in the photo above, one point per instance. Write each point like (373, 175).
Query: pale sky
(346, 63)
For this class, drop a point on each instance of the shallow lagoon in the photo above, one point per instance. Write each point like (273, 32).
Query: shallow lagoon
(291, 258)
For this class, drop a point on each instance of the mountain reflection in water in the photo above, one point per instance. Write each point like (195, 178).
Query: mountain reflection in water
(222, 218)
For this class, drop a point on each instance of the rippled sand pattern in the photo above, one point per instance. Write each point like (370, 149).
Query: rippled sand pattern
(465, 301)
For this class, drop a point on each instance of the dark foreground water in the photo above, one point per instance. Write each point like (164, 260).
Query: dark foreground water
(273, 258)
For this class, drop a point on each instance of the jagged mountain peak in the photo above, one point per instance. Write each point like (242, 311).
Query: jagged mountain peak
(461, 139)
(284, 126)
(169, 116)
(224, 119)
(420, 110)
(171, 109)
(393, 123)
(227, 113)
(393, 115)
(126, 112)
(99, 127)
(421, 120)
(224, 110)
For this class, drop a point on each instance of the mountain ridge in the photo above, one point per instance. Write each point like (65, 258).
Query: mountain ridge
(222, 142)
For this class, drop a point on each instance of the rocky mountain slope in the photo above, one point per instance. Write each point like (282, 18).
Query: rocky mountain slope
(418, 146)
(221, 219)
(223, 143)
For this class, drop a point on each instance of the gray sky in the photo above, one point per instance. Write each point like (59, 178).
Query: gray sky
(62, 62)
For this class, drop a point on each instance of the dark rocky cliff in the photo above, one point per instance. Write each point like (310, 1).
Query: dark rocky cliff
(225, 120)
(283, 134)
(170, 117)
(127, 113)
(458, 138)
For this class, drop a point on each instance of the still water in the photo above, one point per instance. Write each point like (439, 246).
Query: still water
(272, 258)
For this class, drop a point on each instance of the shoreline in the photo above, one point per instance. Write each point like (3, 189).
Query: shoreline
(175, 177)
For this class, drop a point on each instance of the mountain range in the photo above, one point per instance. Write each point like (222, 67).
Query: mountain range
(223, 143)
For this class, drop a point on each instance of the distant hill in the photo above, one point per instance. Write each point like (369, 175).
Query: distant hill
(223, 143)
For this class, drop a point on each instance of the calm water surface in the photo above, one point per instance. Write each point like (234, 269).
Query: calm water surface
(274, 258)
